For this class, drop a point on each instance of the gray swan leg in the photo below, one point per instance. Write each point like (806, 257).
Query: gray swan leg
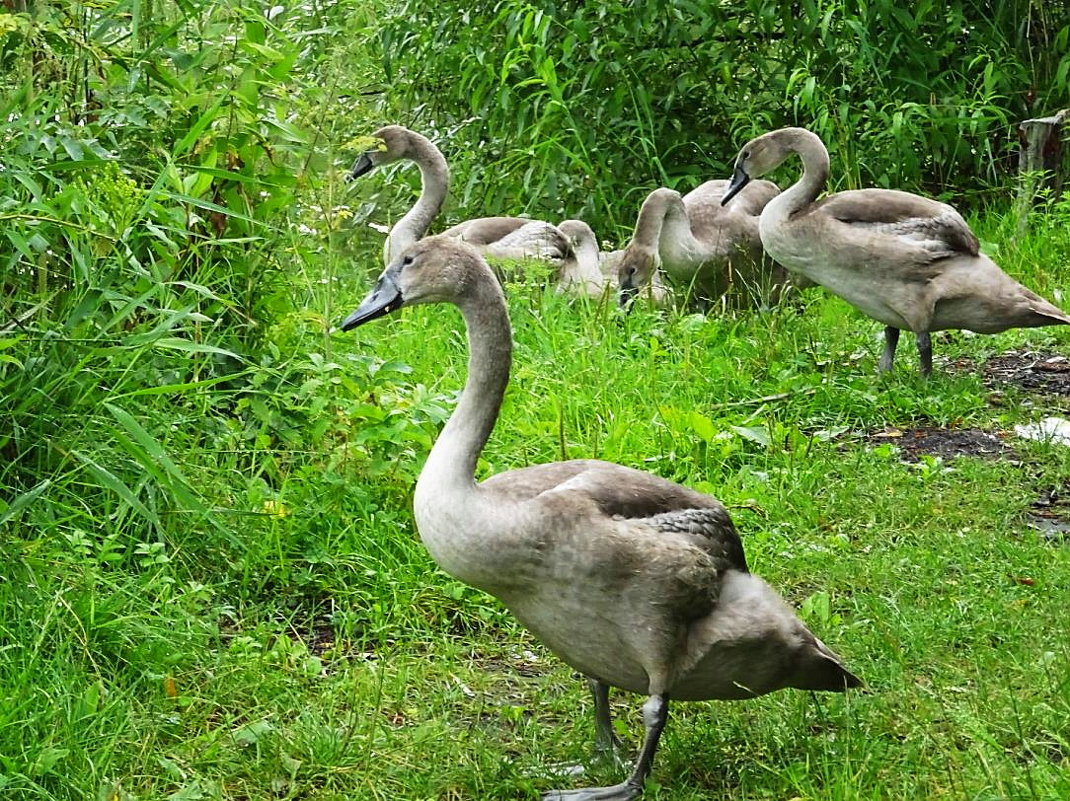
(891, 339)
(925, 351)
(655, 713)
(607, 746)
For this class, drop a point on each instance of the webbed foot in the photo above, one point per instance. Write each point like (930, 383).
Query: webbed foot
(626, 791)
(655, 712)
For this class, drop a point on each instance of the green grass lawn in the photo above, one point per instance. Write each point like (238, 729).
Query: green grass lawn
(297, 643)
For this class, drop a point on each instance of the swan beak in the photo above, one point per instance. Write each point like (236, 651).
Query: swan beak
(361, 166)
(385, 298)
(739, 180)
(627, 295)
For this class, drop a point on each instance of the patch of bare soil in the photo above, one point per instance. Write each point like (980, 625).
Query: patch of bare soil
(317, 633)
(1034, 372)
(1051, 514)
(320, 638)
(944, 443)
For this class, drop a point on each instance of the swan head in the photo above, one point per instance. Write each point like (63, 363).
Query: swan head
(385, 146)
(768, 151)
(583, 247)
(755, 159)
(634, 271)
(438, 269)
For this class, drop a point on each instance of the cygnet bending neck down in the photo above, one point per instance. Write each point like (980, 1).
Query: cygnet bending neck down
(635, 581)
(705, 250)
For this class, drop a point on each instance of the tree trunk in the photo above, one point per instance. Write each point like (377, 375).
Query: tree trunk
(1040, 161)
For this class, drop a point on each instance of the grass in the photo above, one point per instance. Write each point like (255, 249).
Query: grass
(291, 638)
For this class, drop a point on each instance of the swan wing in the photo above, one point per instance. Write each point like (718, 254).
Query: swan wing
(534, 240)
(749, 201)
(484, 231)
(710, 529)
(651, 503)
(935, 229)
(674, 560)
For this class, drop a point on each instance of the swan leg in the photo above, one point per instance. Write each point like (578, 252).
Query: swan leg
(607, 746)
(655, 714)
(891, 339)
(925, 351)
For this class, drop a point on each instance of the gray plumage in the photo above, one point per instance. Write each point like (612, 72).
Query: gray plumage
(511, 238)
(911, 262)
(703, 248)
(635, 581)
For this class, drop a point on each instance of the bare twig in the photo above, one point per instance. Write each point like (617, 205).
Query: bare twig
(766, 399)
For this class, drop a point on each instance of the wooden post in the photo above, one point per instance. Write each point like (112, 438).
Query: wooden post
(1040, 161)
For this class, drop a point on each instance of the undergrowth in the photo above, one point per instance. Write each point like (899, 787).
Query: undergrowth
(211, 587)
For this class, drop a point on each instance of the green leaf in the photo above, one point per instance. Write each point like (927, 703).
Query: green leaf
(252, 733)
(194, 133)
(112, 482)
(171, 389)
(264, 50)
(758, 434)
(207, 206)
(22, 501)
(188, 346)
(47, 759)
(152, 456)
(191, 792)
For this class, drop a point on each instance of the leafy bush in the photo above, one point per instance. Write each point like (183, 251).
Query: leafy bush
(162, 183)
(579, 109)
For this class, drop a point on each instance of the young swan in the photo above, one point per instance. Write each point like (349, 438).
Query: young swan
(582, 274)
(905, 260)
(499, 237)
(702, 247)
(634, 581)
(590, 271)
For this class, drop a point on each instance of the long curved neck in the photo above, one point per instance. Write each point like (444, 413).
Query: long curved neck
(583, 264)
(663, 219)
(815, 159)
(586, 254)
(434, 181)
(451, 464)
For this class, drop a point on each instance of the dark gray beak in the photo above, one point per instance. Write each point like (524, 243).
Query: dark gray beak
(361, 166)
(628, 291)
(739, 180)
(385, 298)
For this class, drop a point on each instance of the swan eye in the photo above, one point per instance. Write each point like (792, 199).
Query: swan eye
(405, 262)
(746, 154)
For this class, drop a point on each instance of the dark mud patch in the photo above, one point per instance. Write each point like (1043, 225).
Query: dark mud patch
(320, 635)
(944, 443)
(1047, 373)
(319, 638)
(1050, 514)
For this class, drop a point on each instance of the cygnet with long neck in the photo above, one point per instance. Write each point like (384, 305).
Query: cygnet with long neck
(635, 581)
(908, 261)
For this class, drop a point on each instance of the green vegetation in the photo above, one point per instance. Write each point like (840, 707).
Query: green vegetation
(210, 587)
(596, 103)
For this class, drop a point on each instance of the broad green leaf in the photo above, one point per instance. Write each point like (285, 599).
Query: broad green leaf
(208, 206)
(758, 434)
(186, 143)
